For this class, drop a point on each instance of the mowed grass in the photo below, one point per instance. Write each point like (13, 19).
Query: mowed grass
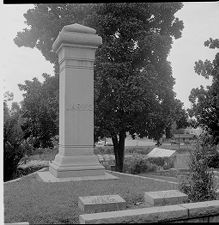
(36, 202)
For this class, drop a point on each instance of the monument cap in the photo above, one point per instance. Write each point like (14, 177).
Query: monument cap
(78, 28)
(76, 34)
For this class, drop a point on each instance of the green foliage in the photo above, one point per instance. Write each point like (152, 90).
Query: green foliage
(213, 160)
(138, 164)
(40, 110)
(128, 150)
(200, 183)
(13, 137)
(164, 162)
(205, 101)
(103, 150)
(133, 79)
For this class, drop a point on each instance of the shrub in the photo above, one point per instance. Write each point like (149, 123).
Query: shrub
(13, 150)
(103, 150)
(128, 150)
(199, 184)
(213, 159)
(138, 164)
(164, 162)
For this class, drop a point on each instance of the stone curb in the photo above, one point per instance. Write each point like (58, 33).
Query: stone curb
(199, 211)
(15, 180)
(148, 178)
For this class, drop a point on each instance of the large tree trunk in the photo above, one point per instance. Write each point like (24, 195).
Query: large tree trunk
(119, 149)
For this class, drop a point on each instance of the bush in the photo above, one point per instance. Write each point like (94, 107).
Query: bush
(164, 162)
(199, 184)
(213, 159)
(13, 150)
(103, 150)
(128, 150)
(138, 164)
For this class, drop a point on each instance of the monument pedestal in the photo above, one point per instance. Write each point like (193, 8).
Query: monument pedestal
(76, 46)
(76, 166)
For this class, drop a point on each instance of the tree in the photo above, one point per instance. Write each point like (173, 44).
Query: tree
(13, 137)
(205, 101)
(133, 78)
(178, 118)
(40, 110)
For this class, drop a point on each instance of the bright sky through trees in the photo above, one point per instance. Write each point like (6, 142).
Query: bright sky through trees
(200, 23)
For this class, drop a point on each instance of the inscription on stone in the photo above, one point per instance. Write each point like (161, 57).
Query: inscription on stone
(102, 200)
(80, 107)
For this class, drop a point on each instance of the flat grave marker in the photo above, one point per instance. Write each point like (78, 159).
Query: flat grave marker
(161, 198)
(101, 203)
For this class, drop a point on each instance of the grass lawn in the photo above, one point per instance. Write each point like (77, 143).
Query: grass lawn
(37, 202)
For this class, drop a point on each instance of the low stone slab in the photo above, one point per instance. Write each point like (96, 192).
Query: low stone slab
(182, 161)
(205, 208)
(46, 176)
(142, 215)
(159, 198)
(160, 152)
(101, 203)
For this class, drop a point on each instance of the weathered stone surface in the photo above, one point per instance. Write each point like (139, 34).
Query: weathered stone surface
(75, 46)
(169, 197)
(205, 208)
(160, 152)
(101, 203)
(213, 219)
(142, 215)
(181, 161)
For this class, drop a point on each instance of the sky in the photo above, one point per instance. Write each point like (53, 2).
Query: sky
(200, 23)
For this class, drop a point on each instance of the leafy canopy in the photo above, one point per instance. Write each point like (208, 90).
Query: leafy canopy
(205, 101)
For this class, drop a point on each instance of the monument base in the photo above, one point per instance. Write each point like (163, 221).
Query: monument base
(46, 176)
(75, 171)
(75, 166)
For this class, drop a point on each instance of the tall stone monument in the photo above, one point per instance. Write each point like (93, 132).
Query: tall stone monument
(76, 46)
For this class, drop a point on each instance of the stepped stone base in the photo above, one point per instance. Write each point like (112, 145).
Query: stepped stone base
(75, 171)
(46, 176)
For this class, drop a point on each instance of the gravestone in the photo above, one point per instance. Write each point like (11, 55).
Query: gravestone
(181, 164)
(76, 46)
(160, 198)
(182, 160)
(104, 203)
(160, 152)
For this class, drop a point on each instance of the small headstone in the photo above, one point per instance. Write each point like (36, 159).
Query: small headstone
(181, 161)
(161, 198)
(160, 152)
(101, 203)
